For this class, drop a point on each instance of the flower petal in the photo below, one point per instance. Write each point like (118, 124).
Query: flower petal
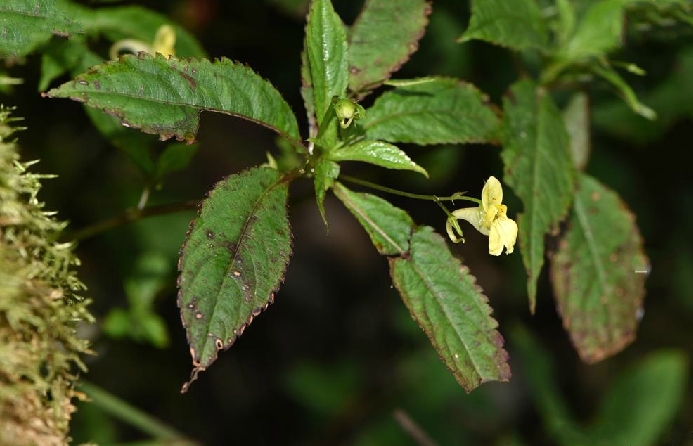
(165, 40)
(503, 233)
(473, 216)
(491, 194)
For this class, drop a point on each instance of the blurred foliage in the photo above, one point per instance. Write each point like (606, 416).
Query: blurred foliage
(339, 354)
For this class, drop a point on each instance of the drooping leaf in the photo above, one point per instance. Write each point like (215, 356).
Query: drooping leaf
(517, 24)
(175, 157)
(389, 227)
(672, 98)
(443, 297)
(598, 273)
(170, 102)
(437, 111)
(26, 24)
(136, 22)
(233, 261)
(643, 402)
(539, 168)
(577, 122)
(379, 153)
(610, 75)
(325, 173)
(383, 38)
(326, 54)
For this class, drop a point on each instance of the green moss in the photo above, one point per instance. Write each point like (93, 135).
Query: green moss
(40, 306)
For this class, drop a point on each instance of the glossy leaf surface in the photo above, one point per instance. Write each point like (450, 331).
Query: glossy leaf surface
(326, 55)
(379, 153)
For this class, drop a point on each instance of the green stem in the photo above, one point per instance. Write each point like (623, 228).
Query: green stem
(434, 198)
(123, 411)
(132, 215)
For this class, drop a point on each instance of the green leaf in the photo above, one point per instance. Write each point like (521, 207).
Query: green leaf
(74, 56)
(175, 157)
(598, 273)
(437, 111)
(539, 168)
(439, 292)
(307, 95)
(328, 136)
(443, 297)
(383, 38)
(135, 22)
(379, 153)
(517, 24)
(566, 21)
(326, 172)
(599, 31)
(643, 402)
(326, 51)
(388, 227)
(233, 261)
(165, 96)
(577, 122)
(27, 24)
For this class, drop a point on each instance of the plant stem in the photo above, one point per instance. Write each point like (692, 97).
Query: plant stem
(132, 215)
(435, 198)
(414, 431)
(125, 412)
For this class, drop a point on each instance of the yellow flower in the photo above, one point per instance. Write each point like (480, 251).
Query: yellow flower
(490, 219)
(164, 43)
